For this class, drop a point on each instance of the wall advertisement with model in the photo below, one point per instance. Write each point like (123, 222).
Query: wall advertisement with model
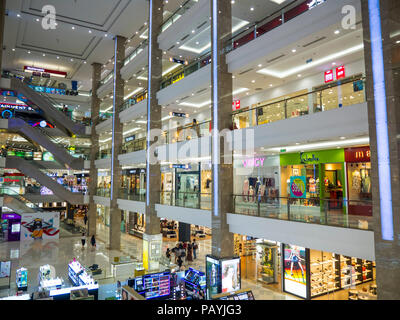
(40, 225)
(294, 266)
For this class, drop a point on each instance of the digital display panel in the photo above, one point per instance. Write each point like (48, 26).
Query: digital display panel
(230, 275)
(153, 286)
(295, 274)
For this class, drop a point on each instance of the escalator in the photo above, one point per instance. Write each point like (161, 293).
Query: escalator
(47, 106)
(18, 203)
(46, 141)
(31, 169)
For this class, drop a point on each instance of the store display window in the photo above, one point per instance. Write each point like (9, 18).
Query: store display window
(358, 164)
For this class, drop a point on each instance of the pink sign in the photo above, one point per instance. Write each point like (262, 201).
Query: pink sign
(254, 162)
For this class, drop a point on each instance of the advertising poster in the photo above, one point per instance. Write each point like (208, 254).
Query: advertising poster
(295, 274)
(298, 187)
(40, 225)
(212, 276)
(5, 269)
(230, 275)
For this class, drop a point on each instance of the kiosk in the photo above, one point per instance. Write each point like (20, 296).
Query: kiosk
(21, 279)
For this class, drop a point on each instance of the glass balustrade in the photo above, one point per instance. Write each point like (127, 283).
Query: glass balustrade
(315, 210)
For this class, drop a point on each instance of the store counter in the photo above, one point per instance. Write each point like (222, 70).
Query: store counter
(123, 268)
(22, 297)
(51, 284)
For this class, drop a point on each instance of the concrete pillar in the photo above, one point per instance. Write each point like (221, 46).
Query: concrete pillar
(95, 110)
(222, 173)
(70, 213)
(153, 170)
(2, 20)
(386, 210)
(117, 130)
(184, 232)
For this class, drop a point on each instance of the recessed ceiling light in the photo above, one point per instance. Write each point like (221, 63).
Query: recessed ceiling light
(251, 9)
(260, 65)
(177, 42)
(334, 63)
(13, 49)
(294, 50)
(337, 32)
(58, 57)
(18, 15)
(37, 20)
(299, 75)
(342, 138)
(106, 35)
(44, 55)
(72, 60)
(90, 31)
(193, 31)
(29, 52)
(73, 28)
(233, 1)
(270, 85)
(84, 62)
(253, 81)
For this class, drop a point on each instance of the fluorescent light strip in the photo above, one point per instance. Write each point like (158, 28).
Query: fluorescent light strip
(195, 105)
(132, 93)
(382, 135)
(328, 144)
(289, 72)
(132, 130)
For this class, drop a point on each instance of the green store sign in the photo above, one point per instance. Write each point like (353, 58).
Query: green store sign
(312, 157)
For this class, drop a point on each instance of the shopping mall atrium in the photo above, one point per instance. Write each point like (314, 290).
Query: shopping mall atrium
(199, 150)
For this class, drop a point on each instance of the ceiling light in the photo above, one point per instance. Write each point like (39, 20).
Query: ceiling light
(84, 62)
(299, 75)
(337, 32)
(106, 35)
(29, 52)
(233, 1)
(37, 20)
(13, 49)
(177, 42)
(73, 28)
(90, 31)
(253, 81)
(18, 15)
(58, 57)
(72, 60)
(44, 55)
(260, 65)
(193, 31)
(294, 50)
(251, 9)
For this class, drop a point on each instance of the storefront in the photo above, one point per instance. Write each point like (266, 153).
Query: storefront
(103, 214)
(359, 195)
(312, 273)
(104, 179)
(260, 260)
(187, 182)
(314, 180)
(134, 181)
(12, 183)
(256, 177)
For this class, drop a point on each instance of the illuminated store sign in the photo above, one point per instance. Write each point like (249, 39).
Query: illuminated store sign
(254, 162)
(307, 158)
(48, 90)
(340, 73)
(314, 3)
(54, 73)
(236, 105)
(21, 107)
(328, 76)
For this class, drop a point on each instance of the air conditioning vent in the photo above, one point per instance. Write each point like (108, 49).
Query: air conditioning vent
(245, 71)
(276, 58)
(198, 27)
(171, 48)
(258, 89)
(202, 90)
(185, 37)
(184, 98)
(312, 42)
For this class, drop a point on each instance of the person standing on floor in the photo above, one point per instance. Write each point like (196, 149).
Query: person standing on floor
(189, 254)
(168, 254)
(93, 242)
(83, 240)
(180, 263)
(195, 247)
(85, 219)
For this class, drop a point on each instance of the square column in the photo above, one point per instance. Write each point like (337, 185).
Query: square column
(382, 57)
(153, 169)
(117, 130)
(222, 173)
(95, 110)
(2, 20)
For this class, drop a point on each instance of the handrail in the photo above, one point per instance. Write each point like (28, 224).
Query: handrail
(183, 7)
(20, 197)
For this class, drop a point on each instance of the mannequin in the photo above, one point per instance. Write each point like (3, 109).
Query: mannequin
(246, 190)
(257, 186)
(261, 193)
(251, 194)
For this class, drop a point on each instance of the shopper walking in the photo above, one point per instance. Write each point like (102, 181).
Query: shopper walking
(195, 247)
(93, 242)
(83, 240)
(85, 219)
(180, 263)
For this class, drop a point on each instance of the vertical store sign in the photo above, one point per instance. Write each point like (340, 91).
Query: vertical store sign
(328, 76)
(340, 73)
(381, 122)
(295, 270)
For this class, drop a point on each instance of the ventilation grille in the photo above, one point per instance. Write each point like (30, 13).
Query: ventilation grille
(276, 58)
(198, 27)
(312, 42)
(185, 37)
(171, 48)
(184, 98)
(245, 71)
(202, 90)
